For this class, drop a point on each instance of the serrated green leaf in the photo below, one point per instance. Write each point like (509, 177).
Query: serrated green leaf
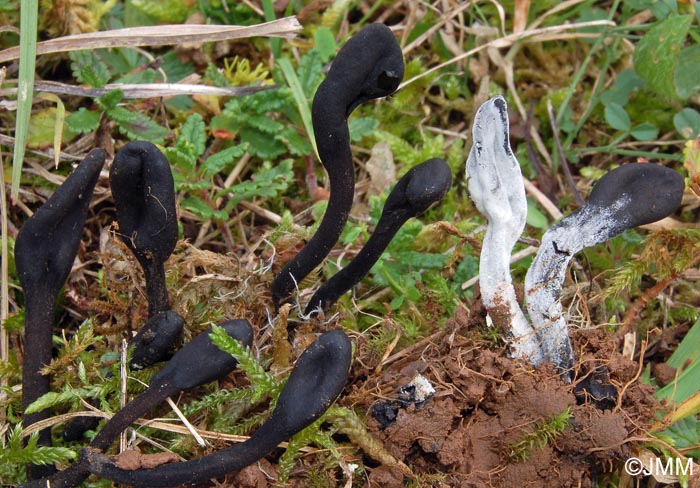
(218, 162)
(267, 182)
(83, 121)
(687, 123)
(110, 99)
(617, 117)
(137, 126)
(89, 69)
(656, 54)
(193, 131)
(361, 127)
(261, 144)
(298, 146)
(199, 207)
(263, 123)
(350, 234)
(180, 159)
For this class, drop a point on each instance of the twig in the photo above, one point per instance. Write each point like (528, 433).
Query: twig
(564, 163)
(542, 199)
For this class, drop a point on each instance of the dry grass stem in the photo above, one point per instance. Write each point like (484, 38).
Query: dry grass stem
(159, 35)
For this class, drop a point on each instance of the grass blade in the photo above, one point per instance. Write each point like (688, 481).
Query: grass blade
(298, 93)
(29, 12)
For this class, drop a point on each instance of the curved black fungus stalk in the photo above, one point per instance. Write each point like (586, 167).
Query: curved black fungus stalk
(44, 253)
(156, 339)
(315, 382)
(626, 197)
(144, 195)
(369, 66)
(197, 363)
(421, 187)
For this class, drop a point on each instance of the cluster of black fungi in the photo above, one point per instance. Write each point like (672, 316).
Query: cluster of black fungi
(369, 66)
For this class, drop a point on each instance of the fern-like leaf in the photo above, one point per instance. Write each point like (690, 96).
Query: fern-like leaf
(89, 69)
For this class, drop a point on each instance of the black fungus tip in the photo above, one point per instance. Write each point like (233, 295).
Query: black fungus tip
(652, 192)
(144, 194)
(156, 340)
(317, 379)
(428, 183)
(200, 361)
(48, 242)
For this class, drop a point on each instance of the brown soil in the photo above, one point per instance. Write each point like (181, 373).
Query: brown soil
(485, 403)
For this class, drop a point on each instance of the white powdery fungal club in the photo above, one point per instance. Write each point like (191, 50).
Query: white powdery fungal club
(496, 187)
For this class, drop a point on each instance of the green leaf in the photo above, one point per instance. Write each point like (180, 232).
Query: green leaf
(218, 162)
(261, 144)
(687, 123)
(110, 99)
(687, 76)
(166, 11)
(688, 349)
(645, 131)
(617, 118)
(421, 260)
(14, 453)
(137, 126)
(298, 146)
(199, 207)
(193, 131)
(89, 69)
(300, 98)
(351, 234)
(41, 128)
(535, 218)
(181, 159)
(656, 55)
(324, 43)
(83, 121)
(267, 182)
(361, 127)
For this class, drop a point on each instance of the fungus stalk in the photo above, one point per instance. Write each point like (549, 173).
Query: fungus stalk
(144, 195)
(420, 188)
(497, 190)
(626, 197)
(184, 371)
(316, 381)
(44, 254)
(368, 66)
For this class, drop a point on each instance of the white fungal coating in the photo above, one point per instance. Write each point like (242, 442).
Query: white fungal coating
(588, 226)
(496, 187)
